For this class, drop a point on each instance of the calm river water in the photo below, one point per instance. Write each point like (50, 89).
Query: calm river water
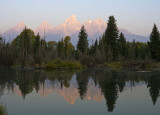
(80, 92)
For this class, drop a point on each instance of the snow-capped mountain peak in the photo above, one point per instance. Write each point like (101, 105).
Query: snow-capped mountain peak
(71, 19)
(69, 27)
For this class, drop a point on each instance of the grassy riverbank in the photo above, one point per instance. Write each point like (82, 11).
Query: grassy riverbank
(62, 64)
(137, 65)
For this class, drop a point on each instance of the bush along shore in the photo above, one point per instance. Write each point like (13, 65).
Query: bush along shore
(60, 64)
(67, 65)
(111, 49)
(135, 65)
(53, 65)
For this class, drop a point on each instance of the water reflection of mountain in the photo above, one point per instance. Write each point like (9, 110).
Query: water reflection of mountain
(92, 84)
(70, 94)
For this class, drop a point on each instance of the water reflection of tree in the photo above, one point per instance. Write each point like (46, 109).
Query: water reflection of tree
(28, 80)
(7, 80)
(82, 81)
(107, 81)
(62, 77)
(154, 87)
(110, 82)
(109, 88)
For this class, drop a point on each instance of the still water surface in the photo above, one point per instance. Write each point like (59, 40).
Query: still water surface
(87, 92)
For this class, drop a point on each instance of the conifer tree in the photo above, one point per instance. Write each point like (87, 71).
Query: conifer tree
(83, 42)
(110, 40)
(26, 38)
(36, 48)
(122, 45)
(60, 48)
(95, 46)
(154, 43)
(36, 44)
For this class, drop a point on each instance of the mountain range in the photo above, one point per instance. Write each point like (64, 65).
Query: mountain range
(71, 27)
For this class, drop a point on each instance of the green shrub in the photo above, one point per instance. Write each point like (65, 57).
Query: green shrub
(62, 64)
(114, 65)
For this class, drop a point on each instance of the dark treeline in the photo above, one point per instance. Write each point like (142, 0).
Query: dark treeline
(30, 49)
(110, 82)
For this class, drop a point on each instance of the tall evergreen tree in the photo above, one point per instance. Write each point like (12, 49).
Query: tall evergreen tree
(110, 40)
(154, 43)
(122, 45)
(60, 49)
(43, 49)
(36, 49)
(95, 46)
(101, 49)
(154, 88)
(36, 44)
(83, 42)
(26, 38)
(1, 39)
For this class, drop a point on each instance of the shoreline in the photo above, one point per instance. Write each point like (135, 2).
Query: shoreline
(136, 66)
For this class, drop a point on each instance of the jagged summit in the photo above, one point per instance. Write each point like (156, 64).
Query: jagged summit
(69, 27)
(72, 19)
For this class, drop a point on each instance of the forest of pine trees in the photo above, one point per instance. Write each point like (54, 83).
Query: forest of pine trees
(28, 49)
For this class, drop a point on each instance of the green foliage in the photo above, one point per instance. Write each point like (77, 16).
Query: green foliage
(6, 52)
(122, 45)
(36, 49)
(110, 39)
(52, 45)
(23, 46)
(154, 43)
(68, 47)
(60, 49)
(83, 42)
(36, 45)
(30, 50)
(137, 51)
(114, 65)
(61, 64)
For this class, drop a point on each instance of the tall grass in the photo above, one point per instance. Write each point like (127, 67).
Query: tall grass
(63, 64)
(114, 65)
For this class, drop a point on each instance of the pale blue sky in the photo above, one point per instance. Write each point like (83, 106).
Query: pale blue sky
(137, 16)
